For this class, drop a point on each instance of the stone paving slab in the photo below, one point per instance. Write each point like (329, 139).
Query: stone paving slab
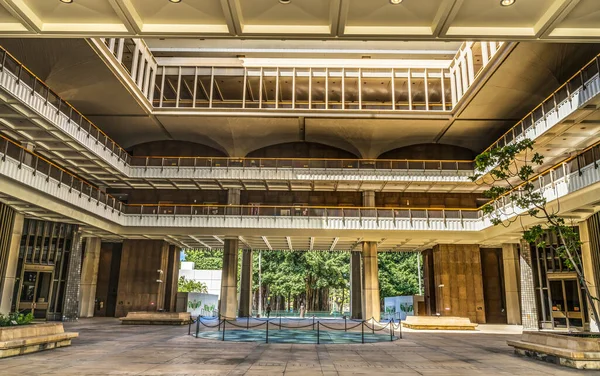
(107, 348)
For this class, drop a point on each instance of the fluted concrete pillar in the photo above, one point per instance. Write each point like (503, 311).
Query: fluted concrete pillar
(372, 303)
(89, 277)
(355, 286)
(510, 261)
(12, 233)
(228, 303)
(589, 235)
(246, 285)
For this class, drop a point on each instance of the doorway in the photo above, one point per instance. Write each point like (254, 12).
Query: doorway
(567, 302)
(35, 293)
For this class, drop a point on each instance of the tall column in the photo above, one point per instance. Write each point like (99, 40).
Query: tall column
(228, 300)
(589, 235)
(510, 261)
(429, 286)
(172, 279)
(10, 236)
(355, 286)
(246, 285)
(372, 302)
(529, 311)
(89, 276)
(70, 310)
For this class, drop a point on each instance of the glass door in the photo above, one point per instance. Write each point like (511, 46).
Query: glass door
(35, 293)
(568, 306)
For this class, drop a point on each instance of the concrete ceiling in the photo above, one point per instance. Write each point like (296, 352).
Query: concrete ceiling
(319, 19)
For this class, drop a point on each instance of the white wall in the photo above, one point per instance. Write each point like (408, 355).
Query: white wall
(212, 278)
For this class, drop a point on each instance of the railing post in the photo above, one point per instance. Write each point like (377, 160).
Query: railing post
(313, 325)
(345, 324)
(362, 330)
(318, 333)
(197, 326)
(224, 321)
(267, 331)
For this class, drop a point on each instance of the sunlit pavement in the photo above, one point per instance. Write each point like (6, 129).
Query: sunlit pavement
(107, 348)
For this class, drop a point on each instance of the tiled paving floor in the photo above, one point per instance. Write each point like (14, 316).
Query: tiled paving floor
(106, 348)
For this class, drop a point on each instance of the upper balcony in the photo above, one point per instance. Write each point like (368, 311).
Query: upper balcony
(316, 87)
(567, 121)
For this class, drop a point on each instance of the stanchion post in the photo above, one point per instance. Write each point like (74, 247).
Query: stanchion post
(362, 329)
(197, 326)
(313, 322)
(190, 327)
(224, 321)
(219, 322)
(372, 326)
(267, 331)
(391, 332)
(247, 322)
(318, 333)
(400, 327)
(279, 322)
(345, 324)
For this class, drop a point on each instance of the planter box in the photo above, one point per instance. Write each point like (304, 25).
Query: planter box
(566, 350)
(156, 318)
(438, 323)
(25, 339)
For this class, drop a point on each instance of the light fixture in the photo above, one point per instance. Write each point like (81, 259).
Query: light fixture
(285, 1)
(395, 2)
(175, 1)
(66, 1)
(507, 3)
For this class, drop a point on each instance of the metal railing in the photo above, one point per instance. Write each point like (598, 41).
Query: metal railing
(37, 87)
(551, 106)
(301, 163)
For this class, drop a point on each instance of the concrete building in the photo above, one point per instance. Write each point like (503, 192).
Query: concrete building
(131, 130)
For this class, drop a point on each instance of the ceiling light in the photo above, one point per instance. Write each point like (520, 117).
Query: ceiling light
(507, 3)
(285, 1)
(66, 1)
(175, 1)
(395, 2)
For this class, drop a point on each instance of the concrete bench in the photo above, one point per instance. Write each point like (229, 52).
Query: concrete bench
(156, 318)
(25, 339)
(565, 350)
(438, 323)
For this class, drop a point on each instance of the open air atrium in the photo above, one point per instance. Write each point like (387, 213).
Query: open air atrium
(463, 135)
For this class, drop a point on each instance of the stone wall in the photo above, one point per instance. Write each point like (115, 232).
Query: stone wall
(458, 268)
(139, 289)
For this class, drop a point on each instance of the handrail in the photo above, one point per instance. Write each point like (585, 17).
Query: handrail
(305, 159)
(255, 209)
(22, 67)
(551, 96)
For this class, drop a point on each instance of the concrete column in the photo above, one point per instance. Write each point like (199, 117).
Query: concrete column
(70, 310)
(7, 284)
(246, 285)
(372, 303)
(89, 276)
(368, 199)
(28, 158)
(590, 266)
(228, 302)
(529, 310)
(356, 311)
(510, 261)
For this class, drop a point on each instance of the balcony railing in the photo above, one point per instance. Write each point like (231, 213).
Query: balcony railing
(33, 170)
(27, 87)
(573, 94)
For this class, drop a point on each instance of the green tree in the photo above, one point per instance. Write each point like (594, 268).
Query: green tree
(398, 274)
(187, 285)
(204, 260)
(509, 174)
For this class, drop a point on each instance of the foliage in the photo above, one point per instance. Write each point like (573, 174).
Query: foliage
(16, 318)
(398, 274)
(512, 195)
(186, 285)
(205, 260)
